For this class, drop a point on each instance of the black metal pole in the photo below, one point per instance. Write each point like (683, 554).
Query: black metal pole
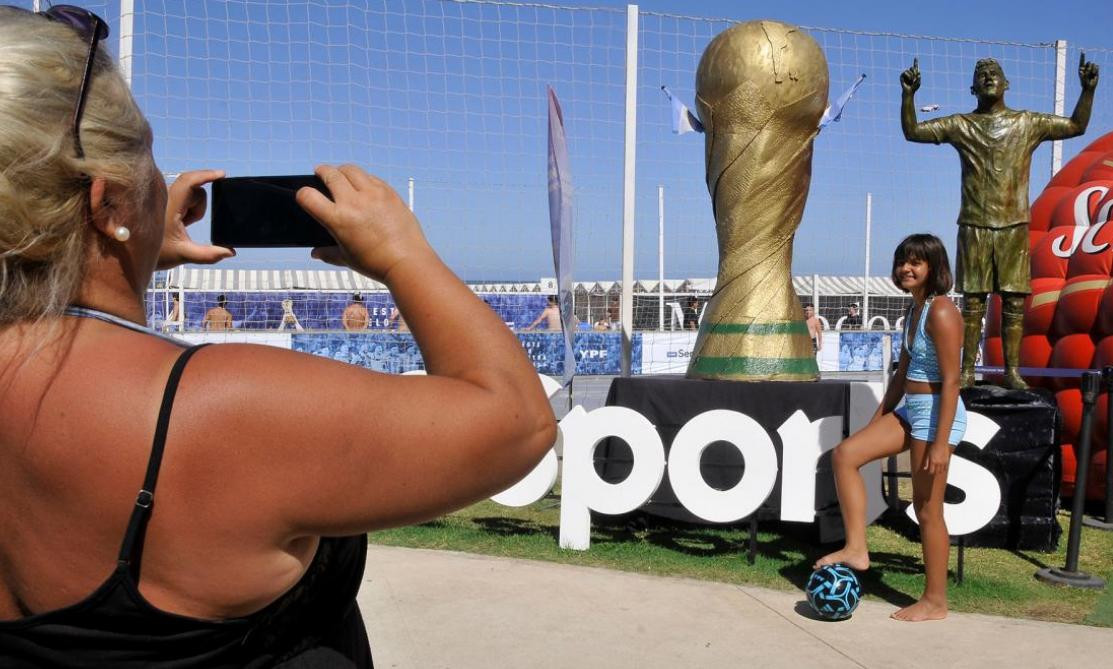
(1107, 522)
(752, 557)
(1069, 575)
(891, 484)
(1082, 467)
(1107, 377)
(960, 568)
(891, 490)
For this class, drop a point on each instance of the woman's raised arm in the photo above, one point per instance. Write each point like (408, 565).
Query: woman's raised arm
(324, 448)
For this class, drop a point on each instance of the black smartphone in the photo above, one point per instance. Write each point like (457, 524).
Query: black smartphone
(262, 212)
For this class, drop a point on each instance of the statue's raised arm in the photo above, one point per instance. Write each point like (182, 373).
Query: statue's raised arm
(1088, 78)
(909, 84)
(910, 78)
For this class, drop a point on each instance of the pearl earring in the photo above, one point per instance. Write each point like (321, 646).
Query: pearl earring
(122, 234)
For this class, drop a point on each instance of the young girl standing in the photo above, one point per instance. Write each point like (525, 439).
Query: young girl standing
(929, 424)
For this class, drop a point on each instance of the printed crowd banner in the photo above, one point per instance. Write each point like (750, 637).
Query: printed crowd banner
(860, 351)
(594, 353)
(828, 356)
(316, 310)
(666, 352)
(276, 339)
(381, 351)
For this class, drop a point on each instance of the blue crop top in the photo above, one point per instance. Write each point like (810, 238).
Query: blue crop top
(923, 363)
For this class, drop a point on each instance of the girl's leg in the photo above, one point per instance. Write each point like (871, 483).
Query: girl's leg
(885, 437)
(927, 499)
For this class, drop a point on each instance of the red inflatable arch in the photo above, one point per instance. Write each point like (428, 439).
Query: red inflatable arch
(1068, 319)
(1102, 168)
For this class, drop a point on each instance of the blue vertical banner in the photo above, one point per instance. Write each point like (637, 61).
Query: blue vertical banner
(560, 221)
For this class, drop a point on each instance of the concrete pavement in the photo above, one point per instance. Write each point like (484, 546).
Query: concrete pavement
(431, 609)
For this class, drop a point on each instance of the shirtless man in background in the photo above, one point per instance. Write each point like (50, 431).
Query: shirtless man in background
(551, 316)
(815, 328)
(218, 317)
(355, 314)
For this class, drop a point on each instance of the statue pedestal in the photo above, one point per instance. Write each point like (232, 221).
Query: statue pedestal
(1025, 458)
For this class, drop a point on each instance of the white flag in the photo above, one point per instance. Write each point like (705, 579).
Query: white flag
(834, 112)
(683, 120)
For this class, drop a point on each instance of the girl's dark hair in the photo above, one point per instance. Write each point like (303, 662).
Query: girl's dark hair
(930, 249)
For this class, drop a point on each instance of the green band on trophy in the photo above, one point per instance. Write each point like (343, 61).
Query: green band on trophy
(756, 367)
(791, 327)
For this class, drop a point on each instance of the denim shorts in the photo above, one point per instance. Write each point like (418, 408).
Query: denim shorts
(921, 412)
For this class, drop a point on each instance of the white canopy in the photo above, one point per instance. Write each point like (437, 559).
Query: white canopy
(251, 280)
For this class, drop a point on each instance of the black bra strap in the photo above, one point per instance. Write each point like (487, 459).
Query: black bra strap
(132, 549)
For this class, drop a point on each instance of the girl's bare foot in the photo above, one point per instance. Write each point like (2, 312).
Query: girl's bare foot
(921, 610)
(859, 560)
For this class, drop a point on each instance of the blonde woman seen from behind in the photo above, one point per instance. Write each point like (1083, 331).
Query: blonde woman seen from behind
(158, 508)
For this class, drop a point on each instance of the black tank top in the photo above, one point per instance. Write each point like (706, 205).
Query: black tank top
(314, 624)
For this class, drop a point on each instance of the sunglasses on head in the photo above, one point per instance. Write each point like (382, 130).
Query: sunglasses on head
(93, 29)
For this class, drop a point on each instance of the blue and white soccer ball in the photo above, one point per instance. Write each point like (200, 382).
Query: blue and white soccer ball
(833, 591)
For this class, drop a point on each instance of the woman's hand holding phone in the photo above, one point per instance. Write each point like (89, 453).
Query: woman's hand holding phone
(185, 204)
(374, 229)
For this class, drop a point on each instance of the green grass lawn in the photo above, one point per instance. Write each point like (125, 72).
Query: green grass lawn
(998, 582)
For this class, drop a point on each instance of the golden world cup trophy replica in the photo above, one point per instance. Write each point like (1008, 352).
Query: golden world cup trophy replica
(761, 88)
(995, 146)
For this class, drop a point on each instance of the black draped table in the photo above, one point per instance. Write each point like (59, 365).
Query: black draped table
(1023, 454)
(669, 402)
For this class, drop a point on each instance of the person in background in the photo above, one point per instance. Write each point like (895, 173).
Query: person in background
(171, 506)
(691, 314)
(931, 422)
(174, 318)
(397, 317)
(614, 312)
(218, 318)
(288, 316)
(853, 318)
(550, 315)
(355, 315)
(815, 328)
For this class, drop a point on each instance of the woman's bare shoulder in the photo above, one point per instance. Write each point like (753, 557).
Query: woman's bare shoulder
(943, 314)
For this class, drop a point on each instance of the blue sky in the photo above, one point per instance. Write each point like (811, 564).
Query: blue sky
(1083, 23)
(452, 95)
